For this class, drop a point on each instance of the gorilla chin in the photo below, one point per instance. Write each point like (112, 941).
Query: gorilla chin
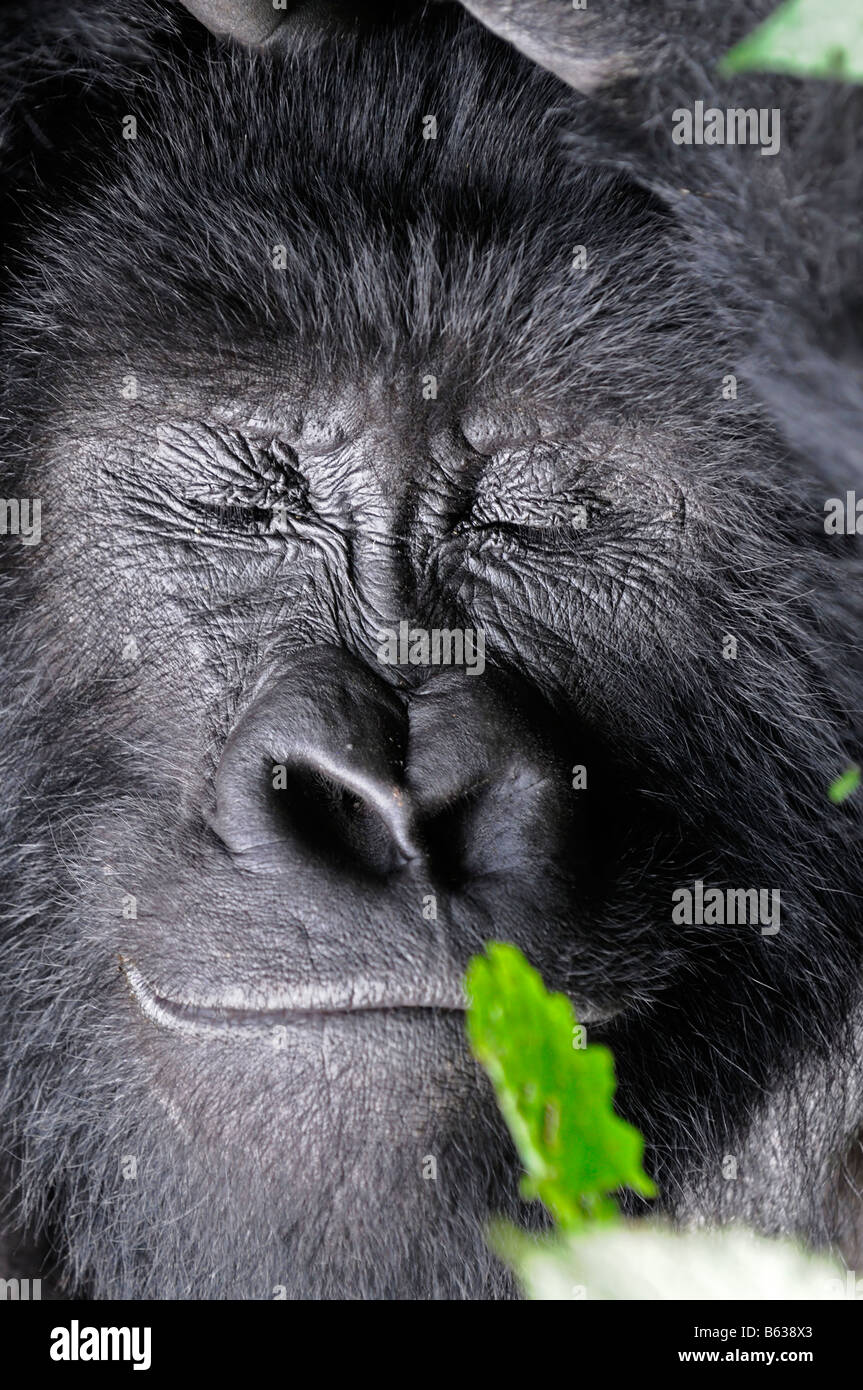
(308, 1127)
(307, 352)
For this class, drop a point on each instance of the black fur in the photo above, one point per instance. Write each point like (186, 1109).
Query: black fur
(405, 257)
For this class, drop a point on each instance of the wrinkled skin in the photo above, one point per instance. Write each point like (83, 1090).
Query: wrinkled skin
(234, 983)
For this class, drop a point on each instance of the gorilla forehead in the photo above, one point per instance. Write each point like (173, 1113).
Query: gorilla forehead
(376, 439)
(350, 237)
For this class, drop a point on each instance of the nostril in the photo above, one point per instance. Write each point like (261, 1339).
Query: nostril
(334, 821)
(452, 838)
(316, 763)
(491, 826)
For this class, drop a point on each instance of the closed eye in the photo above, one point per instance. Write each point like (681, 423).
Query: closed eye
(537, 525)
(266, 491)
(267, 508)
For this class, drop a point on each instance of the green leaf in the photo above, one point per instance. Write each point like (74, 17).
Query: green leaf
(556, 1097)
(812, 38)
(845, 785)
(648, 1260)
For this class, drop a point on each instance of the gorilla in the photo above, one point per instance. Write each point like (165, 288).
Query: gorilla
(426, 456)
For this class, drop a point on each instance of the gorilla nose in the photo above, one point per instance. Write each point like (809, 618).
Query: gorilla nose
(329, 761)
(317, 761)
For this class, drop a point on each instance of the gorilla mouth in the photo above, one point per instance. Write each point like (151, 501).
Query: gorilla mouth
(287, 1006)
(282, 1008)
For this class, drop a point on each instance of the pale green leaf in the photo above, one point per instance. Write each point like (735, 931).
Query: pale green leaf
(556, 1098)
(812, 38)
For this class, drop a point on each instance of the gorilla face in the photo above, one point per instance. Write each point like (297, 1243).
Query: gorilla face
(286, 385)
